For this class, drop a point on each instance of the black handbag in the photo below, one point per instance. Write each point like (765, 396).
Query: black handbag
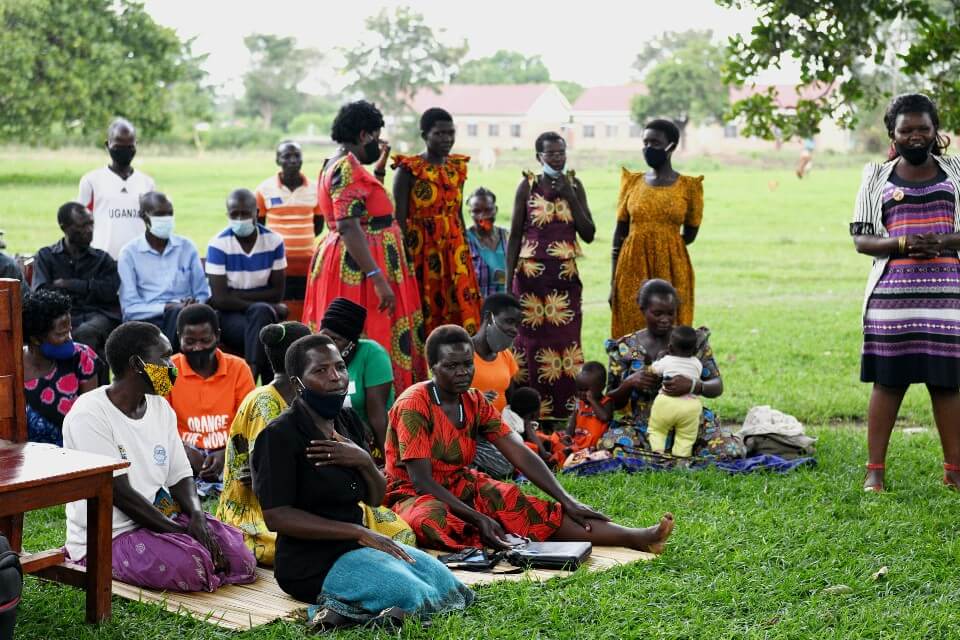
(550, 555)
(11, 586)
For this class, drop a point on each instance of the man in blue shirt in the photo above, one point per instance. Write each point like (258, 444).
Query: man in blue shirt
(160, 273)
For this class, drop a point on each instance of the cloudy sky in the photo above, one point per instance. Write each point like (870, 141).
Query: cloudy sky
(593, 43)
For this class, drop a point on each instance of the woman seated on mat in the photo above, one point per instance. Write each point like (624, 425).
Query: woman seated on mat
(310, 470)
(431, 441)
(633, 385)
(187, 550)
(56, 370)
(238, 503)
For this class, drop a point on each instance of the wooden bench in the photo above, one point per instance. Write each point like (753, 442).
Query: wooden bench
(34, 476)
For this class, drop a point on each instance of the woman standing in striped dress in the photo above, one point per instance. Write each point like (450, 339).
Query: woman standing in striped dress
(907, 218)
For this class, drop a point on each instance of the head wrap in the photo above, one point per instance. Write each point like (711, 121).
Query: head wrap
(344, 318)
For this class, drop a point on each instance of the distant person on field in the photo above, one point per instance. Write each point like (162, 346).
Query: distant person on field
(86, 275)
(287, 204)
(162, 539)
(160, 272)
(9, 267)
(806, 157)
(246, 267)
(112, 193)
(210, 386)
(488, 243)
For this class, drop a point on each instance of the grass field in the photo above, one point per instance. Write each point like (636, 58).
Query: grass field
(780, 286)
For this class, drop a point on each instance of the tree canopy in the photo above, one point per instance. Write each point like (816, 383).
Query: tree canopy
(681, 71)
(840, 46)
(272, 85)
(503, 67)
(73, 65)
(401, 57)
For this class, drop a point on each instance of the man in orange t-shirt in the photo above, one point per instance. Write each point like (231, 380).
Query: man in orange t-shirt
(210, 386)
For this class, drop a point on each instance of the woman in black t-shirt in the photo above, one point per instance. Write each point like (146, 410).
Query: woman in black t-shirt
(310, 471)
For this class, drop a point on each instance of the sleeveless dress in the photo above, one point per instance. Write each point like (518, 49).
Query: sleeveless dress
(548, 286)
(435, 240)
(911, 331)
(347, 190)
(654, 247)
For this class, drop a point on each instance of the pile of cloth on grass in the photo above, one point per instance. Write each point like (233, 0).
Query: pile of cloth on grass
(769, 440)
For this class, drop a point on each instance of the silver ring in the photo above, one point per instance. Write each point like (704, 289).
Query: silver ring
(329, 455)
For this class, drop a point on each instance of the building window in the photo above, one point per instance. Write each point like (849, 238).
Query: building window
(493, 130)
(515, 130)
(636, 131)
(730, 131)
(588, 131)
(611, 131)
(472, 130)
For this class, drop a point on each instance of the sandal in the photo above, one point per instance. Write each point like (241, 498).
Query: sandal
(948, 469)
(878, 487)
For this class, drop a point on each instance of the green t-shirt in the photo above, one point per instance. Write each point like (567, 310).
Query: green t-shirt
(369, 367)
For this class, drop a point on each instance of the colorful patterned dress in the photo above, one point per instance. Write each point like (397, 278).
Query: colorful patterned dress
(419, 428)
(912, 323)
(548, 286)
(51, 396)
(347, 190)
(628, 355)
(654, 247)
(435, 240)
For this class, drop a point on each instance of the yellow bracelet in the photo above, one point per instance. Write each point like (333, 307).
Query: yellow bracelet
(903, 244)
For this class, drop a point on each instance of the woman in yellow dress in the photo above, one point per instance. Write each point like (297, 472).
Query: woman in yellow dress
(658, 215)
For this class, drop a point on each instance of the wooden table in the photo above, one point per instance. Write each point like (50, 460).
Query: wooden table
(34, 476)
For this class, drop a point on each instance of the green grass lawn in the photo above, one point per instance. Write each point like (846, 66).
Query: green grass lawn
(780, 286)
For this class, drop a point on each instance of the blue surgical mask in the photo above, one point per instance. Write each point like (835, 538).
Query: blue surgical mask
(63, 351)
(242, 228)
(551, 172)
(161, 226)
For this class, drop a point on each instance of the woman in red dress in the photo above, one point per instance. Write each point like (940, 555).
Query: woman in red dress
(362, 258)
(428, 190)
(431, 442)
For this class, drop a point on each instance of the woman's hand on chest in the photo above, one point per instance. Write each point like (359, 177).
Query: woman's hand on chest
(337, 452)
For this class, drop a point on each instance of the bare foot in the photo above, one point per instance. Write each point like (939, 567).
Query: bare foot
(654, 539)
(952, 479)
(874, 481)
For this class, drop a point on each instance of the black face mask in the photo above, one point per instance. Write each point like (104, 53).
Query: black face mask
(122, 156)
(327, 405)
(371, 151)
(199, 359)
(654, 157)
(913, 155)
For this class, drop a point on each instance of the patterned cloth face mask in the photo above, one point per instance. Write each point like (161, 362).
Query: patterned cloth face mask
(161, 376)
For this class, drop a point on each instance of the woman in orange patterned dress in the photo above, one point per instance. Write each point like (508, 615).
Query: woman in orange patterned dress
(431, 443)
(550, 211)
(428, 191)
(658, 215)
(362, 258)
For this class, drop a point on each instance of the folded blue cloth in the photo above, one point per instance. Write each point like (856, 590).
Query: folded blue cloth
(632, 464)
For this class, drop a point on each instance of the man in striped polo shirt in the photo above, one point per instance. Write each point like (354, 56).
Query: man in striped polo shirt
(246, 267)
(287, 204)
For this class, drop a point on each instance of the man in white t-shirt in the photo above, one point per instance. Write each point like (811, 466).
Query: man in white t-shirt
(112, 193)
(155, 496)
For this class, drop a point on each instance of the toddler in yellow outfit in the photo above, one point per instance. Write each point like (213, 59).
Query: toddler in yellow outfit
(680, 414)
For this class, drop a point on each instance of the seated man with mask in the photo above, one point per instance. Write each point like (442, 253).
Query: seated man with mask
(210, 387)
(246, 267)
(160, 272)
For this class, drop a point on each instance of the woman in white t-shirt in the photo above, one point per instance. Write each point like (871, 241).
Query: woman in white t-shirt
(162, 538)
